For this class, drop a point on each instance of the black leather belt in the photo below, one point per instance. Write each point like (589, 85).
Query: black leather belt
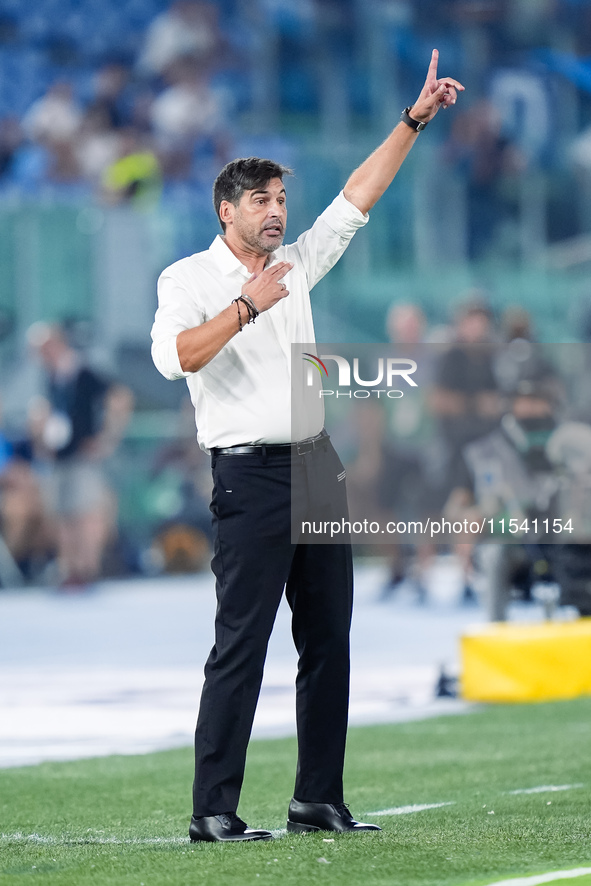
(299, 448)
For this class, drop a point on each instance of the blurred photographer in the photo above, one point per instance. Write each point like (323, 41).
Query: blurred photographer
(508, 475)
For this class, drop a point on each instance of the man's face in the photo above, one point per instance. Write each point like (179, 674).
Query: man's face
(259, 219)
(474, 328)
(525, 407)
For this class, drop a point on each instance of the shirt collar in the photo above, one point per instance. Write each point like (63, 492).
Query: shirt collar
(227, 261)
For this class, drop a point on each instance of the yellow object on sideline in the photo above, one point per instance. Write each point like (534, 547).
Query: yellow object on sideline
(526, 662)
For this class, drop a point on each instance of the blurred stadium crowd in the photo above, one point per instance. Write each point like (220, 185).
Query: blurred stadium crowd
(121, 99)
(488, 458)
(115, 117)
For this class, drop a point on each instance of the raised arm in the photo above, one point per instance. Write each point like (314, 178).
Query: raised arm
(369, 181)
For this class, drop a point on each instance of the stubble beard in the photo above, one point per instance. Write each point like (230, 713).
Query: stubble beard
(253, 238)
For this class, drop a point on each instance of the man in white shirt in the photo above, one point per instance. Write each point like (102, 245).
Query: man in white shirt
(238, 373)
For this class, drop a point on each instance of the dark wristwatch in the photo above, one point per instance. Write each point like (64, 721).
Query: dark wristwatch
(414, 124)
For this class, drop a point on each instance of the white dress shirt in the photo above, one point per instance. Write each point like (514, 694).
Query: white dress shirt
(242, 396)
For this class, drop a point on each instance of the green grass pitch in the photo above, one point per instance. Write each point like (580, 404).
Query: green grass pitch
(122, 821)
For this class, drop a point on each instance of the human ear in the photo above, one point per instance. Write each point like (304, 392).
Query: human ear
(226, 211)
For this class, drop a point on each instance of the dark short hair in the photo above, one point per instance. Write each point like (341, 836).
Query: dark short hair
(244, 174)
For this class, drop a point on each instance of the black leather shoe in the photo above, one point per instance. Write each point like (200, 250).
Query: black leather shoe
(223, 828)
(306, 817)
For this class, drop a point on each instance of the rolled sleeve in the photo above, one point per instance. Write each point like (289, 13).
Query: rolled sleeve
(320, 248)
(343, 216)
(166, 359)
(176, 312)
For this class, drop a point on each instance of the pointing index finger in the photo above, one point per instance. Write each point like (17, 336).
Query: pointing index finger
(432, 72)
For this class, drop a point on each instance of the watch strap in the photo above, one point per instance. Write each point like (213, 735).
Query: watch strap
(414, 124)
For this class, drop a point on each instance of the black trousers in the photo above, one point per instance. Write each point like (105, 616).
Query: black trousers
(254, 561)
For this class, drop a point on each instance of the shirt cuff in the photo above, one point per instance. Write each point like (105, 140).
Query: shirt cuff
(342, 214)
(166, 359)
(348, 211)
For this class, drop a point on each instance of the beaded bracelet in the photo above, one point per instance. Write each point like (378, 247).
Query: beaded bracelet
(252, 311)
(252, 308)
(236, 301)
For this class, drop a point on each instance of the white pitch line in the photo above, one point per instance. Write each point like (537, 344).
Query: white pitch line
(545, 788)
(39, 839)
(544, 878)
(83, 841)
(405, 810)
